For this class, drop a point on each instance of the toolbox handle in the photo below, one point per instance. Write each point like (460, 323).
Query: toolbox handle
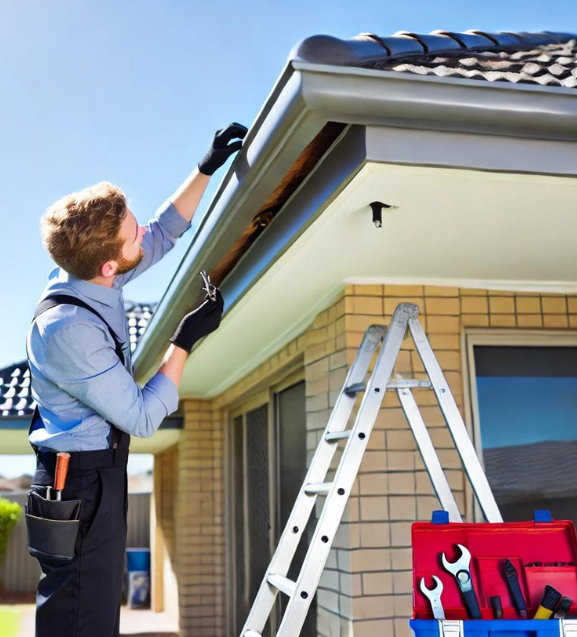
(542, 515)
(440, 517)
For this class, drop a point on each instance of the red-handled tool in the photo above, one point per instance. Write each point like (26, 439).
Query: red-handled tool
(62, 460)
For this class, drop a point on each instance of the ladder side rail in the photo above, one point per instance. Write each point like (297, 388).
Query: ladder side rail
(318, 552)
(429, 454)
(463, 443)
(318, 468)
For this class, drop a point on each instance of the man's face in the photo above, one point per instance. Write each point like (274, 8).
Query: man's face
(132, 252)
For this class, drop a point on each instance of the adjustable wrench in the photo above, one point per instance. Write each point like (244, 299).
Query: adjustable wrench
(460, 570)
(434, 596)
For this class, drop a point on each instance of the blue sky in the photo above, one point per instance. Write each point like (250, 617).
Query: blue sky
(132, 92)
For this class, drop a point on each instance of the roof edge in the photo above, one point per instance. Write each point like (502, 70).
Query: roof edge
(369, 47)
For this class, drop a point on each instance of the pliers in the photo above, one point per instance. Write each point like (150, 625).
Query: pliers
(209, 288)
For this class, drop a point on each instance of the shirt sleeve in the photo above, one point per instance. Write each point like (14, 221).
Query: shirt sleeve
(163, 232)
(80, 360)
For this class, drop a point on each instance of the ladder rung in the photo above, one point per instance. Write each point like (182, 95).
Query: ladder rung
(284, 584)
(409, 383)
(338, 435)
(355, 388)
(319, 488)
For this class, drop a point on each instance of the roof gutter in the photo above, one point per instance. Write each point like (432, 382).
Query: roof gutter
(304, 99)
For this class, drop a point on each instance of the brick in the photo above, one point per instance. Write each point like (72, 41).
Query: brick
(400, 440)
(401, 460)
(529, 320)
(404, 290)
(373, 484)
(402, 559)
(572, 304)
(403, 582)
(403, 508)
(401, 483)
(474, 305)
(443, 324)
(500, 293)
(374, 534)
(359, 323)
(449, 361)
(377, 583)
(370, 628)
(425, 507)
(475, 320)
(368, 290)
(374, 461)
(442, 306)
(554, 304)
(401, 533)
(433, 290)
(501, 305)
(473, 292)
(573, 321)
(368, 305)
(373, 607)
(403, 605)
(555, 320)
(503, 320)
(369, 560)
(374, 508)
(393, 418)
(528, 304)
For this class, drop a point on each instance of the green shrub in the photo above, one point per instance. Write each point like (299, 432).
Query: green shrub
(10, 513)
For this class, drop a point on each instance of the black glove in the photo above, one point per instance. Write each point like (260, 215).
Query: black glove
(199, 323)
(220, 150)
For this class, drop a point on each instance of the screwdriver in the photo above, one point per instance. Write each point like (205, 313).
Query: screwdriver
(62, 460)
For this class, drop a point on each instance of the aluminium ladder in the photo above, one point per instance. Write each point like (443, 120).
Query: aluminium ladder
(336, 492)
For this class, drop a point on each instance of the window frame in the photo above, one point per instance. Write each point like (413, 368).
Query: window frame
(258, 397)
(473, 337)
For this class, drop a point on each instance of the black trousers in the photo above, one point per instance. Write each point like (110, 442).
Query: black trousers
(82, 598)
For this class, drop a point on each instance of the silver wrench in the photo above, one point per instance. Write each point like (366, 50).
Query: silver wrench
(460, 570)
(434, 596)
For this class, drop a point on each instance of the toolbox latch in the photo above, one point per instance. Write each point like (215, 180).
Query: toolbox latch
(440, 517)
(542, 515)
(451, 628)
(568, 627)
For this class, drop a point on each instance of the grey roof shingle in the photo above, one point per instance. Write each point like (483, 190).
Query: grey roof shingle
(545, 58)
(15, 396)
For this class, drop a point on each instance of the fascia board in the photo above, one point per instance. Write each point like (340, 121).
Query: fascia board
(304, 99)
(388, 98)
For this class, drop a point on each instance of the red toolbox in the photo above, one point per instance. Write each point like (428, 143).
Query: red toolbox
(543, 553)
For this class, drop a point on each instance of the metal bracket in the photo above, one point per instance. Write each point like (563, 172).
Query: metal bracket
(568, 627)
(451, 628)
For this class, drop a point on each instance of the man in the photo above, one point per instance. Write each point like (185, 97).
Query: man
(88, 403)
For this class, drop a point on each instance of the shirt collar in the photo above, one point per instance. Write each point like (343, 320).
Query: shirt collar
(100, 293)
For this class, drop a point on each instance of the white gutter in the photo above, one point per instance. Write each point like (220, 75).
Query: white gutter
(304, 99)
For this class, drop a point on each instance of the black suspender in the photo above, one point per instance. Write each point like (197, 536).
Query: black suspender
(116, 435)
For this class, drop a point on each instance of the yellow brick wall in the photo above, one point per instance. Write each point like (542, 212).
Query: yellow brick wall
(366, 587)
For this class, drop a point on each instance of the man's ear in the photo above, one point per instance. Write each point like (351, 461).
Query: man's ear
(109, 268)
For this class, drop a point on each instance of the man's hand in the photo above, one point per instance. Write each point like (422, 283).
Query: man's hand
(220, 149)
(199, 323)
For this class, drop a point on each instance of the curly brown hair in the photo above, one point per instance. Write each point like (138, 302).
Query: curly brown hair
(81, 230)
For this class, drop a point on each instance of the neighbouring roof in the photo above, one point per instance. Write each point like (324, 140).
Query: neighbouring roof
(545, 58)
(15, 397)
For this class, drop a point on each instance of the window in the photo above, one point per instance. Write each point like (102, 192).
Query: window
(526, 411)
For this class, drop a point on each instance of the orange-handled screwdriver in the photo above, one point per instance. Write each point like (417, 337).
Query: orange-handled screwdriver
(62, 460)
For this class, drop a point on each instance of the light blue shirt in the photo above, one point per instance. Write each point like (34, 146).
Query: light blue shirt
(78, 380)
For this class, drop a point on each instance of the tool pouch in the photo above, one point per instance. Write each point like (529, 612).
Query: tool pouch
(52, 527)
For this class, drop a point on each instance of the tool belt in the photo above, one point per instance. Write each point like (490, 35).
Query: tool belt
(52, 526)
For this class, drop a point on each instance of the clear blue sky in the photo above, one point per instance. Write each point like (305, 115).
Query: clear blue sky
(132, 91)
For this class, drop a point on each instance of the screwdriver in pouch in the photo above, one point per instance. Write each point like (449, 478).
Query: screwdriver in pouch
(62, 460)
